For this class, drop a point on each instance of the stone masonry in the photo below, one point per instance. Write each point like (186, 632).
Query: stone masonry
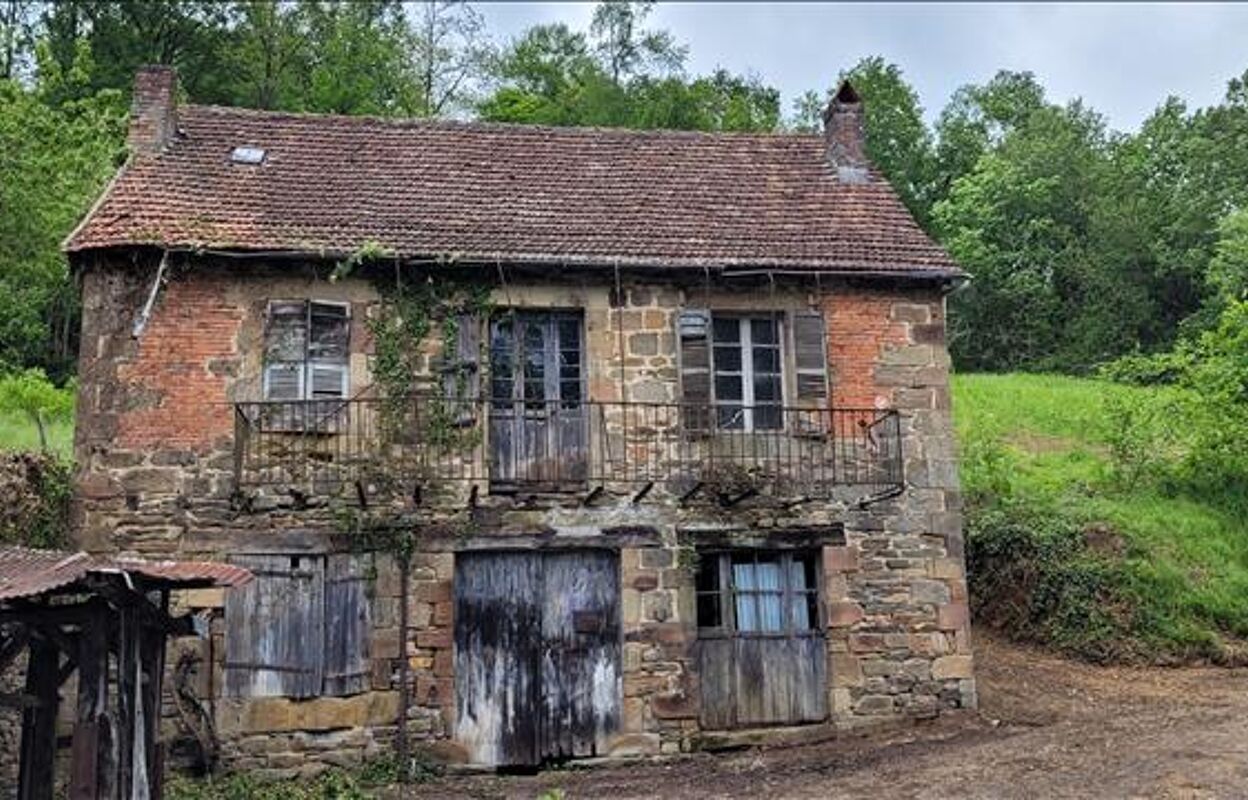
(155, 453)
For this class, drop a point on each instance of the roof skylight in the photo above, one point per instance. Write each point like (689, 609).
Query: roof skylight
(247, 155)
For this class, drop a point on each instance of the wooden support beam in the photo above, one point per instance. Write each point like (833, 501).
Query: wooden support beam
(36, 777)
(127, 692)
(91, 768)
(593, 495)
(687, 496)
(13, 645)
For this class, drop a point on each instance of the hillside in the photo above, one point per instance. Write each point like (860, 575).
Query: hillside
(1069, 548)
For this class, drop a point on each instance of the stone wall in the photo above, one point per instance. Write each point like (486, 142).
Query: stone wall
(154, 447)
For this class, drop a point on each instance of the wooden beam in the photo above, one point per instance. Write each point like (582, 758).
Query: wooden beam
(90, 763)
(36, 777)
(13, 647)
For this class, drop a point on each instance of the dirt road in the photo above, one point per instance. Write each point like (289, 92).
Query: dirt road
(1048, 728)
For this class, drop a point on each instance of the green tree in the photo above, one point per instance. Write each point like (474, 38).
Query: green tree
(56, 159)
(450, 54)
(32, 395)
(625, 48)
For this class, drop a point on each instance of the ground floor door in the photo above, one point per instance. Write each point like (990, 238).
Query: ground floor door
(762, 656)
(537, 655)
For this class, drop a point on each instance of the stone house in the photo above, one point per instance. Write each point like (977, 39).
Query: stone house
(682, 475)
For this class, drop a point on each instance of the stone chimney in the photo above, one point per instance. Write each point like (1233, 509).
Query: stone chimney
(153, 111)
(844, 136)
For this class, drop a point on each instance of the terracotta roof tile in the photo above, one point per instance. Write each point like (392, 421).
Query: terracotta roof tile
(476, 191)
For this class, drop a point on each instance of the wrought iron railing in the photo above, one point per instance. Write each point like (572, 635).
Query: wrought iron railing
(526, 446)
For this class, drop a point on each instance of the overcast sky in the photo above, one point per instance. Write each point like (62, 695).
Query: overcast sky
(1122, 59)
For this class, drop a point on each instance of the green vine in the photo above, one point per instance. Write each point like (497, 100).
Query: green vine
(423, 400)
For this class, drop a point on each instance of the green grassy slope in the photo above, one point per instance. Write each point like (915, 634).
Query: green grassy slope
(1071, 555)
(19, 433)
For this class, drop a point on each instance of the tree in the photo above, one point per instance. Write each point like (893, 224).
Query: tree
(555, 76)
(17, 30)
(31, 394)
(450, 54)
(1019, 222)
(625, 48)
(978, 118)
(57, 157)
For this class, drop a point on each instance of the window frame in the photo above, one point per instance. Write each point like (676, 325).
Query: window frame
(746, 373)
(725, 593)
(308, 363)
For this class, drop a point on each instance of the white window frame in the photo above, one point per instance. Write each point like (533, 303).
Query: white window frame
(305, 367)
(746, 373)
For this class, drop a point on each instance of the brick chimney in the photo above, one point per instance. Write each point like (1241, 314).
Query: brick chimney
(844, 136)
(153, 110)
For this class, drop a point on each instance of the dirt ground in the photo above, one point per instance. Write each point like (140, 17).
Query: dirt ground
(1047, 728)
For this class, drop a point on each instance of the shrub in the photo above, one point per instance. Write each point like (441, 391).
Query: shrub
(35, 493)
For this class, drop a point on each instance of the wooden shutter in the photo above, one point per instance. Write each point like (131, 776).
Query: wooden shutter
(273, 628)
(693, 329)
(461, 370)
(347, 624)
(810, 355)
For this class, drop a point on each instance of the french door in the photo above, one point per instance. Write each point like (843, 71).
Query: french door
(537, 417)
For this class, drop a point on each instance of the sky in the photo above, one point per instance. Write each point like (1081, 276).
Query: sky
(1122, 59)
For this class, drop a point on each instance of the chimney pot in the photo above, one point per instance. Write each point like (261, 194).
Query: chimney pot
(844, 137)
(153, 110)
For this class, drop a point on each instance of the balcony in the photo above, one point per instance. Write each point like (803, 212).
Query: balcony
(726, 453)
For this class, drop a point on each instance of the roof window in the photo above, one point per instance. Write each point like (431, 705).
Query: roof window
(247, 155)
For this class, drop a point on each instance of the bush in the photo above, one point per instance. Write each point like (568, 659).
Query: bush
(35, 493)
(1033, 576)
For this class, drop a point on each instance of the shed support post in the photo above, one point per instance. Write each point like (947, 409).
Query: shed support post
(38, 756)
(91, 761)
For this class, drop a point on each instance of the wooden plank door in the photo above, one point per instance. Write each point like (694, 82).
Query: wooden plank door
(498, 631)
(537, 419)
(581, 683)
(537, 655)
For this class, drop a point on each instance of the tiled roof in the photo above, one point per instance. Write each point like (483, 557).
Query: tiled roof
(25, 572)
(486, 192)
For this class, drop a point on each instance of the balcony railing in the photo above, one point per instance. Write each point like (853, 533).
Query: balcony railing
(554, 446)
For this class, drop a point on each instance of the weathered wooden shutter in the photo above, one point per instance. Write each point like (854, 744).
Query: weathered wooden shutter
(810, 355)
(274, 626)
(693, 329)
(461, 369)
(347, 624)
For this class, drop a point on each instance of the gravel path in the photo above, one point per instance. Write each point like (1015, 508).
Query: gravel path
(1047, 728)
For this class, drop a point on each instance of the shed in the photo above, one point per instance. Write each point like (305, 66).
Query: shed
(107, 620)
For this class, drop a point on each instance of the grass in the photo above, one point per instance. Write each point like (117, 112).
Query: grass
(1171, 571)
(17, 432)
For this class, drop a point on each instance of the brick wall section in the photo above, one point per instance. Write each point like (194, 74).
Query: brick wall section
(182, 364)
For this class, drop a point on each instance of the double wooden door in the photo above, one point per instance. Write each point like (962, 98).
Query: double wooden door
(537, 414)
(537, 655)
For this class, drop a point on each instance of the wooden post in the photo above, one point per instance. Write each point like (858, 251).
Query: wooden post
(152, 659)
(127, 661)
(38, 756)
(404, 560)
(91, 761)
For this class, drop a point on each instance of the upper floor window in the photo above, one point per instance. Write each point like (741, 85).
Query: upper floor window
(737, 366)
(306, 349)
(745, 356)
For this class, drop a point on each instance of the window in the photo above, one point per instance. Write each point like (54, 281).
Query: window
(300, 629)
(732, 367)
(758, 592)
(745, 359)
(306, 350)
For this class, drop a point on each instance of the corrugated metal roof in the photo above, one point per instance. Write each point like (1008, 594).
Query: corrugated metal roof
(26, 572)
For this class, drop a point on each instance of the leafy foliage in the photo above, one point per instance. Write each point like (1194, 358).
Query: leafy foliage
(31, 394)
(35, 494)
(1086, 529)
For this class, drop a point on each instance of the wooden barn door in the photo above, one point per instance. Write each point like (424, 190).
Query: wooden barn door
(537, 655)
(537, 418)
